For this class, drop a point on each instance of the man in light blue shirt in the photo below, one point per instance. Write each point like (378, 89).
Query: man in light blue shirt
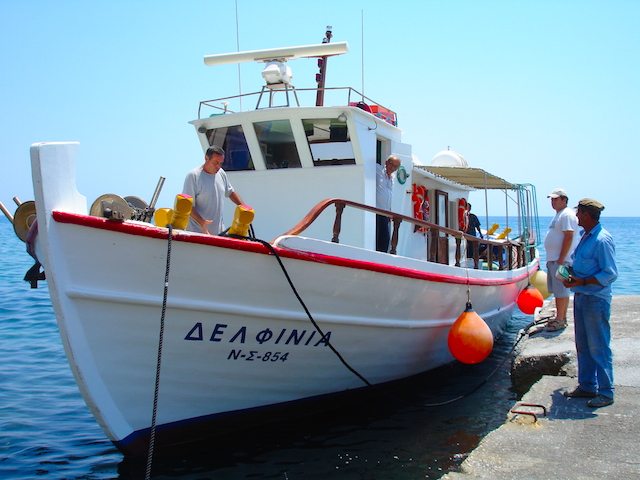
(594, 270)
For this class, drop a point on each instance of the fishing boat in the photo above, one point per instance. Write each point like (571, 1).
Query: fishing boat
(182, 334)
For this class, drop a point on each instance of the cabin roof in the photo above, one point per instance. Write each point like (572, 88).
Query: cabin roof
(472, 177)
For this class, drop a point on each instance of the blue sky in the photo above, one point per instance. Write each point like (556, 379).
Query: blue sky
(542, 92)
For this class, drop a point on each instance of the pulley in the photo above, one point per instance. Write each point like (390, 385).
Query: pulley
(23, 219)
(112, 207)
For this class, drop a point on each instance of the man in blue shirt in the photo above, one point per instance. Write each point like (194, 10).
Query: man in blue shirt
(594, 270)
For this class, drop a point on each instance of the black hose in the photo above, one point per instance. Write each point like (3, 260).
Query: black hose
(353, 370)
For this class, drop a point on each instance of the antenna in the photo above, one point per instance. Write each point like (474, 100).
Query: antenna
(322, 63)
(238, 48)
(362, 40)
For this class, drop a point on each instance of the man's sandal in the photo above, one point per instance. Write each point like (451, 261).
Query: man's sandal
(555, 325)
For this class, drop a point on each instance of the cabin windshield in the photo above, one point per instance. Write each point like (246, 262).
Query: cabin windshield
(277, 144)
(234, 143)
(329, 141)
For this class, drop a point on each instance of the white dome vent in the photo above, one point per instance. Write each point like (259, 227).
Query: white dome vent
(449, 158)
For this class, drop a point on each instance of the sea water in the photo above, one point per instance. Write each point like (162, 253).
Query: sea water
(46, 430)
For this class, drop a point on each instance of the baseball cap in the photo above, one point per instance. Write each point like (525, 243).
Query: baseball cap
(558, 192)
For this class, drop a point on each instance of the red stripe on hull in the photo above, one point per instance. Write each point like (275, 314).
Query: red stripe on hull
(152, 231)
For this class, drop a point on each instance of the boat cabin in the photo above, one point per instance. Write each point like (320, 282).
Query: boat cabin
(285, 159)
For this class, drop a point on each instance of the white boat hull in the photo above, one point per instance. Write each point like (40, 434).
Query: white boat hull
(236, 339)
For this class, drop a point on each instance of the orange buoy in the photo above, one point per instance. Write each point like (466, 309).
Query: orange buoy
(470, 338)
(529, 299)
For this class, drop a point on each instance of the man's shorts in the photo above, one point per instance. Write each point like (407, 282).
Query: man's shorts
(554, 285)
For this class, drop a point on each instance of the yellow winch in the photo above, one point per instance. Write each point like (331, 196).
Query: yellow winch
(178, 217)
(242, 218)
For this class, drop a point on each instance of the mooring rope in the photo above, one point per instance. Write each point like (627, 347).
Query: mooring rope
(152, 435)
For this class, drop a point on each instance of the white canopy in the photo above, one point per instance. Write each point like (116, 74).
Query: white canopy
(472, 177)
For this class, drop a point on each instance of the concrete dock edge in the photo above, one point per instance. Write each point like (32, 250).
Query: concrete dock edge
(570, 440)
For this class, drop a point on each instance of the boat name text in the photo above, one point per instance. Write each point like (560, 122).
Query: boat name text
(267, 335)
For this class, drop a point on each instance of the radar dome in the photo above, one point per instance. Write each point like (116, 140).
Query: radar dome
(449, 158)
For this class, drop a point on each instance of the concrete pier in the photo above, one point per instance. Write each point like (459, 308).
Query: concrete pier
(571, 440)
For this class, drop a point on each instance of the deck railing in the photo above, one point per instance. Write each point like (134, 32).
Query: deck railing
(508, 254)
(353, 97)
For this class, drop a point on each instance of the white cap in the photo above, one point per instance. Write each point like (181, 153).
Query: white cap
(558, 192)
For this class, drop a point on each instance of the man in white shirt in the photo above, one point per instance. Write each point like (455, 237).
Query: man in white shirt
(384, 194)
(559, 244)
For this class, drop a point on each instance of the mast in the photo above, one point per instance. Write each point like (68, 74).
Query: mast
(322, 65)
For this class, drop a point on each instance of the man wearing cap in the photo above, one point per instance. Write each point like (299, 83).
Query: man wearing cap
(594, 270)
(559, 244)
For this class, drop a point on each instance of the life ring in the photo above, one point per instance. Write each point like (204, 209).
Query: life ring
(420, 201)
(417, 198)
(463, 215)
(426, 215)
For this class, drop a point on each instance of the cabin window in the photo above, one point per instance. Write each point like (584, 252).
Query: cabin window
(383, 150)
(329, 142)
(233, 142)
(277, 144)
(442, 210)
(442, 219)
